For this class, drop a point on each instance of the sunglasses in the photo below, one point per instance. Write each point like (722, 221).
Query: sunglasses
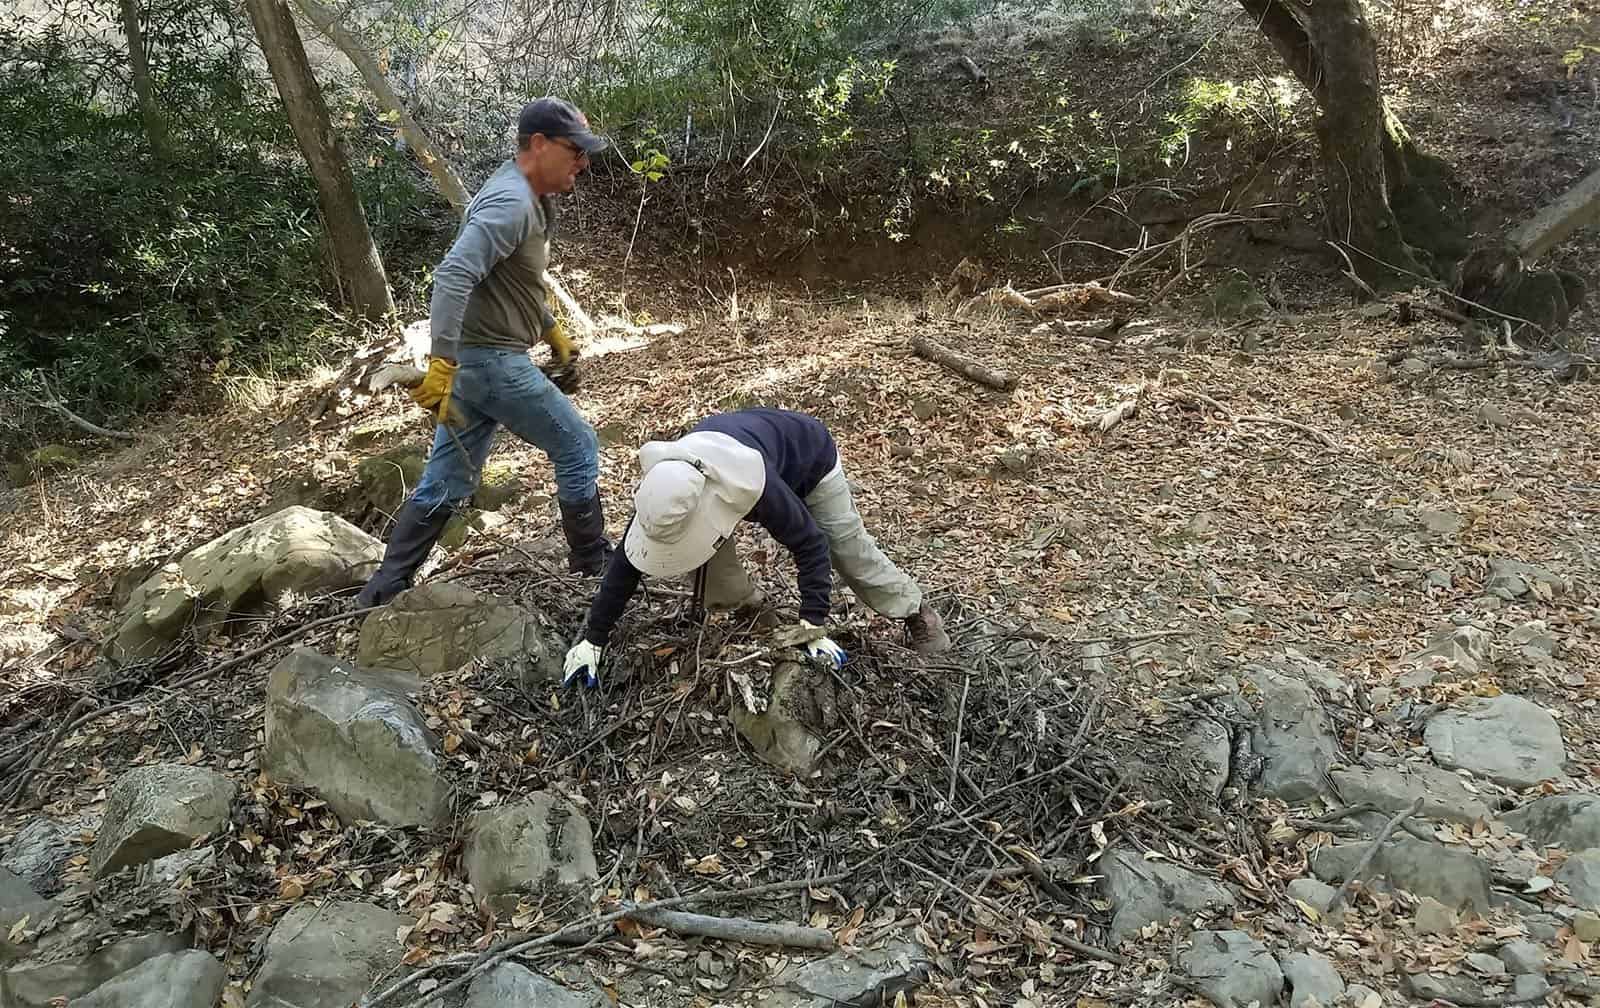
(578, 153)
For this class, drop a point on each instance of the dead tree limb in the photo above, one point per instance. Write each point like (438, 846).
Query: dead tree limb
(1326, 439)
(737, 929)
(1577, 208)
(966, 367)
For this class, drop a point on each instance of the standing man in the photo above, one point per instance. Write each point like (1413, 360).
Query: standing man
(781, 470)
(490, 305)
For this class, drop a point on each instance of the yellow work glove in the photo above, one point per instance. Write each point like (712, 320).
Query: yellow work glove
(433, 392)
(561, 348)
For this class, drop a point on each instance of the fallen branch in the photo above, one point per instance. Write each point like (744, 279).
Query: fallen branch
(737, 929)
(1201, 398)
(482, 962)
(57, 406)
(1340, 897)
(966, 367)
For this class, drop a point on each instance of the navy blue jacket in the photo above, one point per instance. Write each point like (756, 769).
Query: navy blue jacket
(798, 451)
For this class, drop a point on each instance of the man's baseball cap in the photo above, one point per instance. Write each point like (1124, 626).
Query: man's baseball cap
(555, 117)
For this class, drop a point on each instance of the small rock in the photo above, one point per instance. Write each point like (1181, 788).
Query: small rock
(1443, 794)
(1468, 648)
(349, 735)
(438, 627)
(1571, 821)
(1434, 918)
(802, 705)
(1312, 981)
(66, 972)
(1522, 957)
(1233, 969)
(524, 848)
(1459, 988)
(855, 977)
(191, 979)
(1535, 641)
(156, 810)
(37, 854)
(1142, 891)
(512, 986)
(1440, 579)
(924, 409)
(1314, 894)
(1542, 927)
(324, 955)
(1440, 522)
(1486, 964)
(1491, 415)
(1507, 739)
(1586, 926)
(1360, 996)
(1581, 876)
(1510, 580)
(1295, 736)
(1528, 988)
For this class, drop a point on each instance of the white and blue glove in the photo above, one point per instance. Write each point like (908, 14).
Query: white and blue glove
(822, 647)
(584, 659)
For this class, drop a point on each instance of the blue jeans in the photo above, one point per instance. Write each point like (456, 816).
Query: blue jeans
(497, 388)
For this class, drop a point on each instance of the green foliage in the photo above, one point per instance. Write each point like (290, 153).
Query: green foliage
(1229, 107)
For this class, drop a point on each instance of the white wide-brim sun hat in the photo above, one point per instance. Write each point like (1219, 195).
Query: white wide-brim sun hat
(693, 494)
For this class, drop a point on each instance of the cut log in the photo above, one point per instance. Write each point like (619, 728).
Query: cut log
(737, 929)
(1576, 209)
(966, 367)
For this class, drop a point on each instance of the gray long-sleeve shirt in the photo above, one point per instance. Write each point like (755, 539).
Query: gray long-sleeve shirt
(489, 289)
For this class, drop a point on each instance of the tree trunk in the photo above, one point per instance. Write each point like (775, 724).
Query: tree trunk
(360, 268)
(444, 177)
(144, 89)
(1386, 199)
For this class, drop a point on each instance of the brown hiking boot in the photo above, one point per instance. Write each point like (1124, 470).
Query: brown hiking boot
(925, 630)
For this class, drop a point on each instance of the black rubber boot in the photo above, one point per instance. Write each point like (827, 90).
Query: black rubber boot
(414, 533)
(584, 523)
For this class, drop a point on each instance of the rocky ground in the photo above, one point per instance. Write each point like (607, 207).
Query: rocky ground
(1319, 585)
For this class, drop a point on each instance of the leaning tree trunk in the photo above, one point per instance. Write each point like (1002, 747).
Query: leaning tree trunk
(449, 184)
(144, 89)
(359, 266)
(1386, 199)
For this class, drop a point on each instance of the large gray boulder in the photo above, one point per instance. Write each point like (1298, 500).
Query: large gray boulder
(156, 810)
(243, 571)
(512, 986)
(322, 956)
(1391, 789)
(439, 627)
(351, 736)
(1453, 877)
(1145, 891)
(1571, 821)
(524, 848)
(1507, 739)
(1233, 969)
(1294, 734)
(191, 979)
(60, 968)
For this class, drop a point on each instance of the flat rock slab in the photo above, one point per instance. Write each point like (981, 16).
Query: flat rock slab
(1233, 969)
(1581, 876)
(512, 986)
(347, 734)
(855, 977)
(524, 848)
(1294, 734)
(321, 956)
(1570, 821)
(1142, 892)
(1507, 739)
(1511, 580)
(439, 627)
(297, 549)
(157, 810)
(1391, 789)
(1453, 877)
(191, 979)
(62, 971)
